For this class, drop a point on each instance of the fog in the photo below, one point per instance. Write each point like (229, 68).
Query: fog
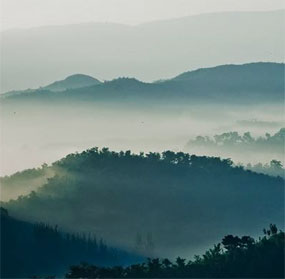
(38, 132)
(33, 134)
(32, 13)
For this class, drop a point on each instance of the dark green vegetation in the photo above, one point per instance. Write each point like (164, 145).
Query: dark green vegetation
(255, 82)
(118, 195)
(234, 257)
(39, 249)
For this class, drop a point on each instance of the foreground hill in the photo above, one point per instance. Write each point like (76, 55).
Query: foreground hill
(181, 203)
(38, 249)
(150, 51)
(248, 83)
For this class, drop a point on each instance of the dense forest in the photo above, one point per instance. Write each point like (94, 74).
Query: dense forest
(118, 195)
(43, 250)
(234, 257)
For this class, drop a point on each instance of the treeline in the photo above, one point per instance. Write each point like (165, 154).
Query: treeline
(245, 148)
(234, 257)
(41, 249)
(234, 138)
(274, 168)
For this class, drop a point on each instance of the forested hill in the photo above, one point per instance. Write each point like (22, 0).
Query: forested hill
(181, 202)
(38, 249)
(255, 82)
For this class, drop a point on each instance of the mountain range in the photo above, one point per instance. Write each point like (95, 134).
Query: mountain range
(247, 83)
(150, 51)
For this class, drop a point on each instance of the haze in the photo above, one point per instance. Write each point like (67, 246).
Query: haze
(32, 13)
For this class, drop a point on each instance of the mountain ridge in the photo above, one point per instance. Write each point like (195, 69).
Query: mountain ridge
(258, 81)
(247, 36)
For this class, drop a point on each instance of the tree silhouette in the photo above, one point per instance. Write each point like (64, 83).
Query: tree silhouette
(243, 257)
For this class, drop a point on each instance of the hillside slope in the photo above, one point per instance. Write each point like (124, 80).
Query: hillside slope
(38, 249)
(185, 202)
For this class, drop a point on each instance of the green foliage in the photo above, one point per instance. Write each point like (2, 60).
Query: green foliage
(235, 257)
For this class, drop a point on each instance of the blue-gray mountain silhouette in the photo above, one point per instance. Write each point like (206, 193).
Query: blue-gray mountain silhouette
(254, 82)
(72, 82)
(148, 51)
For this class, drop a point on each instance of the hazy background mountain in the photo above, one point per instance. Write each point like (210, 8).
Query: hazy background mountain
(41, 126)
(72, 82)
(244, 84)
(38, 56)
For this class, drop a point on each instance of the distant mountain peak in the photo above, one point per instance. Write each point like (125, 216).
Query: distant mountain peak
(254, 67)
(77, 77)
(73, 82)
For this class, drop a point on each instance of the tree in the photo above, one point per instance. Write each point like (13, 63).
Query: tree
(276, 164)
(231, 242)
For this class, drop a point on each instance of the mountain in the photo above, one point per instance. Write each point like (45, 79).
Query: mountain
(182, 203)
(247, 83)
(72, 82)
(151, 51)
(42, 250)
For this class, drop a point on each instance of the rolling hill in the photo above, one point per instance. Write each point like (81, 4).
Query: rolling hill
(184, 202)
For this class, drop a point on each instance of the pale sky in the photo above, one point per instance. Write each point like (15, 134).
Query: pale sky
(32, 13)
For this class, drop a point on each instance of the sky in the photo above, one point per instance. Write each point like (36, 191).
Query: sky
(34, 13)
